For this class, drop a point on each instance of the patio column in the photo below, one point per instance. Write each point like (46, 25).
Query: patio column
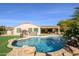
(59, 30)
(53, 30)
(39, 31)
(32, 29)
(45, 30)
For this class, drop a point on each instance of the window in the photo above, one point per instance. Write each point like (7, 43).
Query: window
(35, 29)
(18, 30)
(30, 30)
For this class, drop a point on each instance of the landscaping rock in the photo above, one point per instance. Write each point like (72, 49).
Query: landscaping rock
(24, 51)
(40, 54)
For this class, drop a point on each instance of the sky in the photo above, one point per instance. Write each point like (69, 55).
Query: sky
(38, 14)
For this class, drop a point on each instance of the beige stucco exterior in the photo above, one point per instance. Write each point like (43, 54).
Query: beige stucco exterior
(26, 26)
(9, 32)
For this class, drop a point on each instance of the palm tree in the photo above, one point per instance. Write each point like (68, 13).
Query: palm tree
(71, 36)
(64, 25)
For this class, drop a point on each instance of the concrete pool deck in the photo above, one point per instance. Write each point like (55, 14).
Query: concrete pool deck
(30, 51)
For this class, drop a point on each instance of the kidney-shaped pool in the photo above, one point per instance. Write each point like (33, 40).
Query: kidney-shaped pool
(47, 44)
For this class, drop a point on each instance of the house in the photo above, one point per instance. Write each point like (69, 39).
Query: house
(9, 30)
(32, 29)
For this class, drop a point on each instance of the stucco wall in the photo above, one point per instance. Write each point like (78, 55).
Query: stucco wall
(25, 27)
(9, 32)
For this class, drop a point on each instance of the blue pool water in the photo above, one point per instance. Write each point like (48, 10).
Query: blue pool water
(48, 44)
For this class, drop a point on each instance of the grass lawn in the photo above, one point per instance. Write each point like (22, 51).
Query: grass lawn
(3, 44)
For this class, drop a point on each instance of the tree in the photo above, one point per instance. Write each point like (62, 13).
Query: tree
(71, 35)
(76, 14)
(2, 30)
(72, 31)
(64, 25)
(24, 33)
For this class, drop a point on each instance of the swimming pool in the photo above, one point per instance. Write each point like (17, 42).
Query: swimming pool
(47, 44)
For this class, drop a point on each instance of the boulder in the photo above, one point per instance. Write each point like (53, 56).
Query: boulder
(40, 54)
(27, 51)
(24, 51)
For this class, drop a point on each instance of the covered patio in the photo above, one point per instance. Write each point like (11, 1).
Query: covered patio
(50, 30)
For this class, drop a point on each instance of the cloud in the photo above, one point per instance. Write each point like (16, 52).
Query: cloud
(7, 20)
(55, 11)
(11, 11)
(12, 22)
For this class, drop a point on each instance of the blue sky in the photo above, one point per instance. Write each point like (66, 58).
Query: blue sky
(39, 14)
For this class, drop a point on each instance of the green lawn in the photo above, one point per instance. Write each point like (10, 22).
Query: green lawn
(3, 44)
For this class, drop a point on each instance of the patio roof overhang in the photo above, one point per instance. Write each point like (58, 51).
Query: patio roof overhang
(49, 26)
